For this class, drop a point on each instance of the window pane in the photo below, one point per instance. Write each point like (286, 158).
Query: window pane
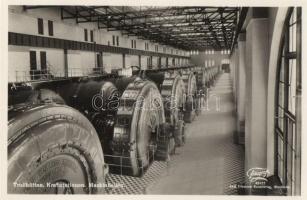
(280, 170)
(280, 147)
(293, 165)
(280, 118)
(294, 137)
(40, 26)
(281, 95)
(92, 35)
(283, 51)
(50, 27)
(85, 34)
(290, 133)
(280, 156)
(289, 164)
(292, 38)
(43, 60)
(292, 87)
(33, 62)
(282, 71)
(293, 17)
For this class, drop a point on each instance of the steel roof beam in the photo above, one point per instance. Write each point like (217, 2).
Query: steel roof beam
(167, 25)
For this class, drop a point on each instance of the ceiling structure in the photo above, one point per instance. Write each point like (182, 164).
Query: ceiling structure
(188, 28)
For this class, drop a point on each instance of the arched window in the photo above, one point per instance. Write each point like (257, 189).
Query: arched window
(287, 107)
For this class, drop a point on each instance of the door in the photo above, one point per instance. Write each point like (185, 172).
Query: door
(33, 63)
(99, 61)
(159, 62)
(166, 62)
(43, 61)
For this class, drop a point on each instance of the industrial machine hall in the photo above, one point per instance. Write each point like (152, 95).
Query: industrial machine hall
(153, 100)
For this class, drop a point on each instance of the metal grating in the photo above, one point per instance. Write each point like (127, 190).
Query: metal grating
(234, 167)
(136, 185)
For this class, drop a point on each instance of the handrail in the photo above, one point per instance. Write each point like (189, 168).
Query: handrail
(48, 74)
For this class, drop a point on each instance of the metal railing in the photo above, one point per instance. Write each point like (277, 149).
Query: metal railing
(80, 72)
(48, 74)
(33, 75)
(98, 70)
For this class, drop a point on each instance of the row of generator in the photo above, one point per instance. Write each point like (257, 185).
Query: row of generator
(66, 135)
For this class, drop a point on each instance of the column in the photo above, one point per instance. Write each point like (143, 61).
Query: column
(233, 73)
(65, 64)
(241, 89)
(124, 60)
(236, 79)
(257, 56)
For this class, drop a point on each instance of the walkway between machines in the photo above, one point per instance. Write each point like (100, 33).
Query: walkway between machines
(209, 162)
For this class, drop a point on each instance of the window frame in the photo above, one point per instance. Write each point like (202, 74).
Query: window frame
(43, 60)
(285, 131)
(113, 40)
(85, 35)
(40, 24)
(50, 28)
(91, 35)
(33, 60)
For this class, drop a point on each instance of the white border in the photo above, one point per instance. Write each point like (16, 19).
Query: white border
(4, 79)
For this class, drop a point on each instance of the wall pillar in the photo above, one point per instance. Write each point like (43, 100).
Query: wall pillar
(65, 64)
(241, 89)
(233, 75)
(257, 56)
(236, 79)
(124, 60)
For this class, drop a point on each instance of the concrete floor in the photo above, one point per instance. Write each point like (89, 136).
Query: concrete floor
(210, 161)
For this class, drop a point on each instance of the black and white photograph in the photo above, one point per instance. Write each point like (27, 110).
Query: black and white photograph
(152, 99)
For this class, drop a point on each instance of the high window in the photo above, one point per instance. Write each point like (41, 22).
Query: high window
(288, 92)
(85, 35)
(92, 35)
(50, 27)
(113, 40)
(43, 59)
(40, 24)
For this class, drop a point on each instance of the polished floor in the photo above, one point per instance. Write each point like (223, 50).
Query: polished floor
(209, 162)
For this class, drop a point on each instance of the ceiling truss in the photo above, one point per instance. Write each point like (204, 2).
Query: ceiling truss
(188, 28)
